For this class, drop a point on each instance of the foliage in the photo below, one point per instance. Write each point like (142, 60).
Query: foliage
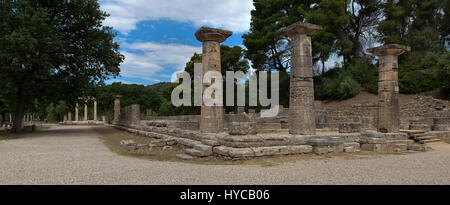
(52, 46)
(346, 82)
(146, 97)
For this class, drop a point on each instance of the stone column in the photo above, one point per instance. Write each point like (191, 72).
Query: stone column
(95, 110)
(69, 116)
(65, 118)
(85, 118)
(240, 110)
(117, 108)
(388, 90)
(301, 102)
(212, 117)
(76, 112)
(10, 118)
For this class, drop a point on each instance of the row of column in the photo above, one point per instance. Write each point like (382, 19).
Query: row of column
(301, 110)
(68, 117)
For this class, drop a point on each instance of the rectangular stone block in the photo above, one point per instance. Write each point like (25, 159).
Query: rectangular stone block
(321, 150)
(300, 149)
(349, 127)
(270, 151)
(374, 147)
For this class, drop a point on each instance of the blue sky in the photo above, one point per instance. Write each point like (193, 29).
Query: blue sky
(157, 36)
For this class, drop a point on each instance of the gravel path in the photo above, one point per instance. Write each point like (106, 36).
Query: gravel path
(74, 155)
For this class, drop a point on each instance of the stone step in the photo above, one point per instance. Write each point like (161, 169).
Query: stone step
(413, 132)
(425, 137)
(429, 141)
(197, 153)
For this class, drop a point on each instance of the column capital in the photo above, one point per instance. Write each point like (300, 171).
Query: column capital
(212, 34)
(300, 28)
(389, 49)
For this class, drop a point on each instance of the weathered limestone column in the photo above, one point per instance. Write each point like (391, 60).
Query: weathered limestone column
(388, 90)
(301, 102)
(76, 112)
(117, 108)
(95, 110)
(85, 112)
(212, 117)
(69, 116)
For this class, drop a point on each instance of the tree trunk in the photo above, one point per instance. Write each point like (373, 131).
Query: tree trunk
(3, 118)
(323, 66)
(18, 114)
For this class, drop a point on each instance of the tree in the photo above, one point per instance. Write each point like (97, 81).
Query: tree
(266, 48)
(231, 59)
(348, 25)
(55, 49)
(331, 39)
(364, 17)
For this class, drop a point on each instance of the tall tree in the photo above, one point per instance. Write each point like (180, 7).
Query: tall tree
(348, 25)
(364, 17)
(54, 48)
(266, 48)
(331, 14)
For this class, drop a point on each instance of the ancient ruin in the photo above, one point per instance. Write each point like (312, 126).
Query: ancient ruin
(212, 116)
(68, 120)
(388, 90)
(301, 102)
(307, 126)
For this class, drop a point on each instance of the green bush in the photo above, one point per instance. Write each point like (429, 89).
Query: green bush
(417, 81)
(347, 82)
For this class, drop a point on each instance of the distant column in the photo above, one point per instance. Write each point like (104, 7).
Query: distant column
(69, 116)
(212, 117)
(95, 110)
(388, 90)
(85, 112)
(10, 118)
(301, 103)
(117, 108)
(65, 118)
(76, 112)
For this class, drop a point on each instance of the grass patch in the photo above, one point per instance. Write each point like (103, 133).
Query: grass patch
(43, 128)
(111, 138)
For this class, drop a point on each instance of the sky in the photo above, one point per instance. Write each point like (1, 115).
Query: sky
(157, 36)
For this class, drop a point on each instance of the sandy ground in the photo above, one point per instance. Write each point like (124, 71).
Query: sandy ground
(75, 155)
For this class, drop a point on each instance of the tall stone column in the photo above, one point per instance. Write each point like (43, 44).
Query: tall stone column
(212, 117)
(388, 90)
(69, 116)
(95, 110)
(85, 112)
(117, 108)
(76, 113)
(10, 118)
(301, 103)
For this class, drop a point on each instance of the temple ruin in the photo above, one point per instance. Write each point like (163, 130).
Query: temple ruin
(306, 126)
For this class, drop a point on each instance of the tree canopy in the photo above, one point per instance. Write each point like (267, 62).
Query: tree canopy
(54, 49)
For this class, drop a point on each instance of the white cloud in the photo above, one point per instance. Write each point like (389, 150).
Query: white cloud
(151, 61)
(233, 15)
